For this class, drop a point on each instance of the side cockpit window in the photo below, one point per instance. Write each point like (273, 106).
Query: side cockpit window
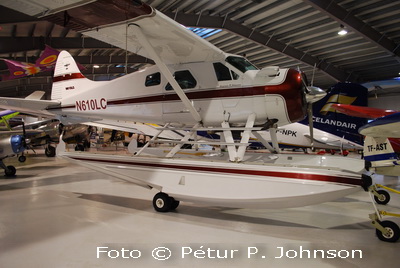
(223, 73)
(185, 80)
(153, 80)
(241, 64)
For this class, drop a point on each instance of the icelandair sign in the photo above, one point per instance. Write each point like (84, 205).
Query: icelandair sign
(334, 122)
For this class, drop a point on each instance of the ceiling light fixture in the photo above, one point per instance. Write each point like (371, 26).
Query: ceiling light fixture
(96, 66)
(342, 30)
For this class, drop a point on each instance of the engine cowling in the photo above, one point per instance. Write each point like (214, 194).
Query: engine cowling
(13, 144)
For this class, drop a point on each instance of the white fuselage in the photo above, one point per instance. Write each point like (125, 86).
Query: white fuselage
(140, 97)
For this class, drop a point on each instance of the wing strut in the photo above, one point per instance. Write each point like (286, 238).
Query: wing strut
(188, 136)
(166, 72)
(265, 142)
(152, 139)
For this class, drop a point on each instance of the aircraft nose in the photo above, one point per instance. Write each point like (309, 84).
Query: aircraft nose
(314, 94)
(17, 143)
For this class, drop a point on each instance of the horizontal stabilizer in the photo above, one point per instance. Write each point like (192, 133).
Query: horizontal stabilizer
(30, 106)
(37, 95)
(385, 127)
(361, 111)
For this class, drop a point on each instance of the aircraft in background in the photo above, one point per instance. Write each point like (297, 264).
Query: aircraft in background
(369, 113)
(332, 130)
(197, 86)
(381, 137)
(47, 133)
(11, 144)
(14, 142)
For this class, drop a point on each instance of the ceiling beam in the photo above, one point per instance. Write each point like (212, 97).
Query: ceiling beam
(21, 44)
(204, 21)
(346, 18)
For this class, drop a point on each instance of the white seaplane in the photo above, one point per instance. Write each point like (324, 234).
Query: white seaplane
(197, 86)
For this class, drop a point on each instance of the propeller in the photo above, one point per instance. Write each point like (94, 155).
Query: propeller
(313, 94)
(24, 143)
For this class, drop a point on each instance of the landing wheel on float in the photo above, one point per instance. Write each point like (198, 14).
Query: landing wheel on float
(392, 232)
(174, 203)
(164, 203)
(10, 171)
(383, 198)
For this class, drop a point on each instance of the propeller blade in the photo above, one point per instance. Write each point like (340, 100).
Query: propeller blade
(313, 74)
(315, 94)
(311, 125)
(24, 143)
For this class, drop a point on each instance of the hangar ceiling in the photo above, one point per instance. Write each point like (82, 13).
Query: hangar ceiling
(287, 33)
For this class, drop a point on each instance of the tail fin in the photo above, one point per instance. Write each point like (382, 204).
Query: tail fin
(68, 78)
(379, 152)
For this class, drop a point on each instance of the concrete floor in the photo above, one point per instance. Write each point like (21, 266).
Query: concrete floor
(56, 214)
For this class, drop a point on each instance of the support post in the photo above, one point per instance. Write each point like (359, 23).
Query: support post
(274, 138)
(246, 136)
(229, 139)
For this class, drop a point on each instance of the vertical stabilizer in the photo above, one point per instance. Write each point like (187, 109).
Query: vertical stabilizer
(68, 78)
(379, 152)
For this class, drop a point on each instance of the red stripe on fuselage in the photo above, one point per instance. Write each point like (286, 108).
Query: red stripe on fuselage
(68, 77)
(289, 175)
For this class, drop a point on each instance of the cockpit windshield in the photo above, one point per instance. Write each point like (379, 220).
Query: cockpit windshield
(241, 63)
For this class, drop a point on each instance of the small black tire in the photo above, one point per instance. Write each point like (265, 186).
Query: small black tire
(384, 197)
(50, 151)
(174, 203)
(394, 232)
(80, 148)
(10, 171)
(22, 158)
(162, 202)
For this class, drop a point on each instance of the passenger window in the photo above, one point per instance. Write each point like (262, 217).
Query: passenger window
(222, 72)
(153, 80)
(185, 80)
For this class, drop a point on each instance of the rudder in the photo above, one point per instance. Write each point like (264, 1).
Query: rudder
(67, 77)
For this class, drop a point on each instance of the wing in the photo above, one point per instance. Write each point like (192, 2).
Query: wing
(363, 112)
(388, 126)
(112, 21)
